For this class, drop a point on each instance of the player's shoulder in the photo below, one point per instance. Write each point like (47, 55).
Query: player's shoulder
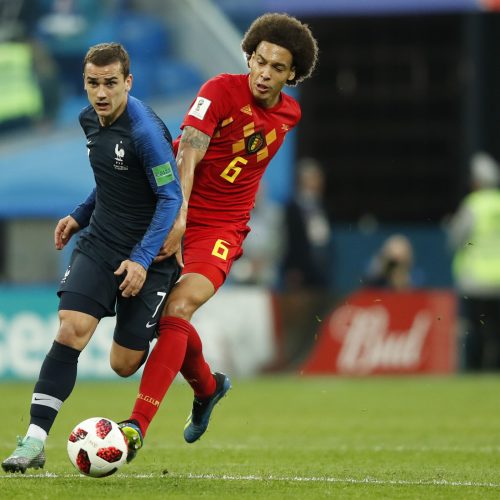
(290, 105)
(290, 101)
(144, 121)
(138, 110)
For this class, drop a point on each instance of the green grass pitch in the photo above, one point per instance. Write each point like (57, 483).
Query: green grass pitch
(283, 437)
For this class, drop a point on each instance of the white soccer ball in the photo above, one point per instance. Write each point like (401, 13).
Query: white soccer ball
(97, 447)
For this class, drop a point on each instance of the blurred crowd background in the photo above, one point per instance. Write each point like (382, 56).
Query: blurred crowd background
(405, 98)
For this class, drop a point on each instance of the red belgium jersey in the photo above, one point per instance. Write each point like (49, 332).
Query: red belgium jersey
(244, 139)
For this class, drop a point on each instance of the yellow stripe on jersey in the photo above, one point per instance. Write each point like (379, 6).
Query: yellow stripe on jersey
(249, 129)
(262, 154)
(239, 146)
(271, 137)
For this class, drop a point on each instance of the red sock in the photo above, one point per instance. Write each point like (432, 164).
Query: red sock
(160, 370)
(195, 369)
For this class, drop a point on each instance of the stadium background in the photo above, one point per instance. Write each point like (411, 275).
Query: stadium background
(405, 92)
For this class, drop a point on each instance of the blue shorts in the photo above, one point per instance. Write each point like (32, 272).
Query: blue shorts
(92, 288)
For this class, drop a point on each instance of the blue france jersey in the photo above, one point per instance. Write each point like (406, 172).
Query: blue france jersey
(137, 194)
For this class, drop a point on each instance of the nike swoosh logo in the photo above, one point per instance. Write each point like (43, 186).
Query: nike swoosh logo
(41, 399)
(150, 326)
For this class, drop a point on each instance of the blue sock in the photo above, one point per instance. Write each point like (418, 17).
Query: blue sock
(55, 383)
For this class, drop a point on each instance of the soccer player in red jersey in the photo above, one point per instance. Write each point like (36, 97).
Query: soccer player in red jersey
(231, 132)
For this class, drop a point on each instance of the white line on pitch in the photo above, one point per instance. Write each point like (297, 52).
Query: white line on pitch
(292, 479)
(366, 480)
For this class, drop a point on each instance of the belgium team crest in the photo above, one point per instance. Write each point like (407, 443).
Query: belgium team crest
(254, 142)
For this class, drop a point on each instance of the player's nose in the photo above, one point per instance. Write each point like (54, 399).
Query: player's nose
(266, 73)
(101, 91)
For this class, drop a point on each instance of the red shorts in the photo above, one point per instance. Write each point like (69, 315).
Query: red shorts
(212, 251)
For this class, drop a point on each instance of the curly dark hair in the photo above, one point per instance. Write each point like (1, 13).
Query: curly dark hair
(103, 54)
(288, 32)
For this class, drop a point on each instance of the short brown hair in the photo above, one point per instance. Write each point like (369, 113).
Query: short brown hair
(103, 54)
(288, 32)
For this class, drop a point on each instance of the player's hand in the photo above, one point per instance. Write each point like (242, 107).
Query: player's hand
(134, 279)
(64, 230)
(173, 243)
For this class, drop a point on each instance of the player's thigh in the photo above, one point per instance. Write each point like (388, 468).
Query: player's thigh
(87, 293)
(94, 283)
(191, 291)
(137, 317)
(212, 252)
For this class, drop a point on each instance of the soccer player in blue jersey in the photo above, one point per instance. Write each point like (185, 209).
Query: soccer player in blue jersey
(123, 224)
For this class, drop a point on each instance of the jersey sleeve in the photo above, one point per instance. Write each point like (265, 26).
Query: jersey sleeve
(154, 149)
(83, 212)
(209, 108)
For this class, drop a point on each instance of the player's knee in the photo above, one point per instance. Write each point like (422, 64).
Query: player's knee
(123, 369)
(66, 334)
(180, 307)
(125, 361)
(71, 336)
(124, 372)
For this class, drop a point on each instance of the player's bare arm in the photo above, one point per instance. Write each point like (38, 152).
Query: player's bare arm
(192, 148)
(65, 228)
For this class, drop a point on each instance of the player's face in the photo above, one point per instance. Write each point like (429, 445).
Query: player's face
(270, 69)
(107, 90)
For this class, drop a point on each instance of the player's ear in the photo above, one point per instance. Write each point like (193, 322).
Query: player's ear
(128, 82)
(291, 76)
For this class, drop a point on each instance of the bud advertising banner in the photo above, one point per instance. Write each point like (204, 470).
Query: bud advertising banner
(384, 332)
